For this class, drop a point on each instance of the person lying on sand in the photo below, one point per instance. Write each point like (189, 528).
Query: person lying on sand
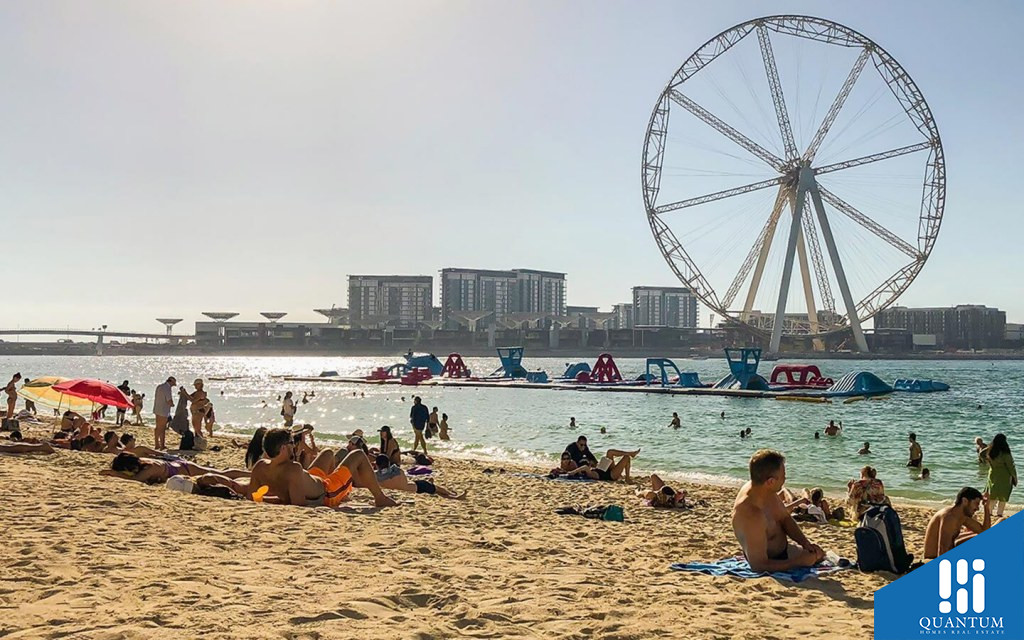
(662, 496)
(327, 482)
(89, 444)
(953, 525)
(152, 471)
(391, 476)
(128, 445)
(26, 447)
(762, 524)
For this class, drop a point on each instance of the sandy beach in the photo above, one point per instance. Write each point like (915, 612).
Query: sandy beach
(86, 556)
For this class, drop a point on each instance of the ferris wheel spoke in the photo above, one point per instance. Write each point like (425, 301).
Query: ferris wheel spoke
(719, 195)
(818, 262)
(837, 105)
(757, 250)
(781, 114)
(851, 212)
(729, 132)
(875, 157)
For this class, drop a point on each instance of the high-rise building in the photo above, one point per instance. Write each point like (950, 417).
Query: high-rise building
(540, 291)
(402, 302)
(965, 326)
(623, 316)
(499, 292)
(664, 307)
(477, 290)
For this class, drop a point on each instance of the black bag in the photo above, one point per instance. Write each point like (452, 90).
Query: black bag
(188, 441)
(880, 544)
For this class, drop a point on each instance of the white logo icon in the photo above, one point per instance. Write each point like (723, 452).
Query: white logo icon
(977, 595)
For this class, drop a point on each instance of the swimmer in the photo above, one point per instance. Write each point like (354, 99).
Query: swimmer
(865, 450)
(925, 474)
(572, 422)
(833, 429)
(916, 454)
(722, 415)
(817, 436)
(675, 424)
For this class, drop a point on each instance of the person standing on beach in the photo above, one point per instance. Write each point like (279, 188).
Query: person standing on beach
(163, 405)
(675, 424)
(418, 417)
(288, 409)
(762, 524)
(1002, 474)
(12, 394)
(137, 402)
(916, 455)
(126, 389)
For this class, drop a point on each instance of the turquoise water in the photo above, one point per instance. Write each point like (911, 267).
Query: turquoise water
(532, 426)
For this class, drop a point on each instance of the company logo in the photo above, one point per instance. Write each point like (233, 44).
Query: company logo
(976, 594)
(974, 590)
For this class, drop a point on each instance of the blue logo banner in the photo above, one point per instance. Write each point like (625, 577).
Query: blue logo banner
(975, 590)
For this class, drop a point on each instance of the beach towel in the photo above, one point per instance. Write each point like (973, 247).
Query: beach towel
(738, 567)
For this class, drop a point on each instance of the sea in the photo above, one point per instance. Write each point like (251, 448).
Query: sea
(531, 427)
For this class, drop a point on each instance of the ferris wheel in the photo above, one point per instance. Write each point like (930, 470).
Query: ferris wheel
(801, 116)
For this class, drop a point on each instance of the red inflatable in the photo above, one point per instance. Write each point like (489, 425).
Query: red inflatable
(454, 367)
(416, 376)
(799, 375)
(605, 370)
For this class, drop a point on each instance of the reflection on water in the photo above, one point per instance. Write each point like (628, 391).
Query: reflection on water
(532, 426)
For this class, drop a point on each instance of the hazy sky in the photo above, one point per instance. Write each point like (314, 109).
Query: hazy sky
(167, 158)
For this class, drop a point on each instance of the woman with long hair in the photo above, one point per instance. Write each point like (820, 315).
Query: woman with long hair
(255, 449)
(1002, 474)
(389, 446)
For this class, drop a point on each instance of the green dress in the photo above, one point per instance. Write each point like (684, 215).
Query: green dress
(1000, 473)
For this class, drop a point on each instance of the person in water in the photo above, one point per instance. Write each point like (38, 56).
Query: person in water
(946, 528)
(865, 450)
(327, 482)
(572, 423)
(154, 471)
(675, 424)
(925, 474)
(443, 426)
(916, 454)
(832, 429)
(761, 523)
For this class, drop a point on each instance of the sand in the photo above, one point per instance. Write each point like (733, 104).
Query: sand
(86, 556)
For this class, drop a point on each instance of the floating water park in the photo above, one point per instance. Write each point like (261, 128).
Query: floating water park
(796, 382)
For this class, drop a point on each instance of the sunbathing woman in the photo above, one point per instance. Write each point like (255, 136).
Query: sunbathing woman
(663, 496)
(392, 477)
(609, 470)
(72, 421)
(25, 447)
(152, 471)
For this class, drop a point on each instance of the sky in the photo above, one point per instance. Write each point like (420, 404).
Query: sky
(161, 159)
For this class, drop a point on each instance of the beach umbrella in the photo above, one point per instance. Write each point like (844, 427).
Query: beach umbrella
(40, 391)
(95, 391)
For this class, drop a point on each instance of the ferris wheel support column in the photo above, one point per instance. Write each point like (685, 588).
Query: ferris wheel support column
(837, 266)
(787, 267)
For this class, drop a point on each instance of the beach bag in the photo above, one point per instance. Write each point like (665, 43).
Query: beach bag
(880, 544)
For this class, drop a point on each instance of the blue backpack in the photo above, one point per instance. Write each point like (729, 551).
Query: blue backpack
(880, 544)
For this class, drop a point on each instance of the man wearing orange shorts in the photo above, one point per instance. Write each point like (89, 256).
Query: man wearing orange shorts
(327, 482)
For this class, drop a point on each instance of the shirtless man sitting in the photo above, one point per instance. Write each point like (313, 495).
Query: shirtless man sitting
(326, 482)
(945, 529)
(762, 524)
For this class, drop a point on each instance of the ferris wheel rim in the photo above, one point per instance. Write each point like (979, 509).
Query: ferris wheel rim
(903, 88)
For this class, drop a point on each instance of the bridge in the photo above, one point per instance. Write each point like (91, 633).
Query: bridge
(95, 333)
